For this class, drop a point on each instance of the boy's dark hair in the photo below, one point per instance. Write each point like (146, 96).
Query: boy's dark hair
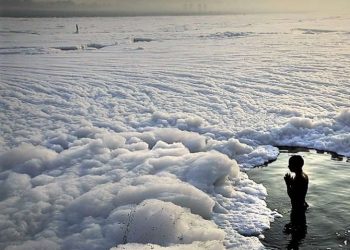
(296, 161)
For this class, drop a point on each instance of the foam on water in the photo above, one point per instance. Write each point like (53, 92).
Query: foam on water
(161, 187)
(107, 146)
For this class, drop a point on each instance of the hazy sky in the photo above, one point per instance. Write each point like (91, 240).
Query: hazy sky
(171, 6)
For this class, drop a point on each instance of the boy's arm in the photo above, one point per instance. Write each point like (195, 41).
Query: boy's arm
(305, 184)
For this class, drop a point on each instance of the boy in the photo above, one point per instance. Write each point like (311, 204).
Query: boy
(297, 186)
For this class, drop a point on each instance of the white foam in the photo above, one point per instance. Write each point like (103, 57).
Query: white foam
(94, 142)
(100, 190)
(331, 135)
(209, 245)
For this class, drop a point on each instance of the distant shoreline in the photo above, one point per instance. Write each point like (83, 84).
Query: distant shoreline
(61, 14)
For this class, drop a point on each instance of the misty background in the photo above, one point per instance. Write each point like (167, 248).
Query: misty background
(164, 7)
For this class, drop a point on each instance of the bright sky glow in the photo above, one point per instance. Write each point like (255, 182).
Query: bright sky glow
(175, 6)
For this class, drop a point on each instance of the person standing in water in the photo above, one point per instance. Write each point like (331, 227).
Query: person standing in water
(76, 29)
(297, 186)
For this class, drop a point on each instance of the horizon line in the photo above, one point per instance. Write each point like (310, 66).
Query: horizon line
(62, 14)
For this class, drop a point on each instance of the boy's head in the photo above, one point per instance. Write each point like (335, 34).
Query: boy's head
(296, 163)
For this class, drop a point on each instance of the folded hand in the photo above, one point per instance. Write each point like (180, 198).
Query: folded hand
(287, 178)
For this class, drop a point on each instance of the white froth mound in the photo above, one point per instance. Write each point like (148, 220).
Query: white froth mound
(333, 135)
(165, 187)
(97, 189)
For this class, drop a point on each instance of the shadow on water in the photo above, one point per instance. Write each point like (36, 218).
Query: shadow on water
(326, 223)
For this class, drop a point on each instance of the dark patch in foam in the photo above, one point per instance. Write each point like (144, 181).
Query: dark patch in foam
(140, 39)
(68, 48)
(314, 31)
(228, 34)
(19, 32)
(21, 50)
(96, 45)
(82, 47)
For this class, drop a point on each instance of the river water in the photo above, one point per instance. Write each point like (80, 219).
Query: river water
(328, 217)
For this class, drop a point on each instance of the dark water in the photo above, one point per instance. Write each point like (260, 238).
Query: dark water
(328, 217)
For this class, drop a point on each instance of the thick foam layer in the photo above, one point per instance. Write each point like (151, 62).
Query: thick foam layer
(95, 141)
(304, 132)
(163, 187)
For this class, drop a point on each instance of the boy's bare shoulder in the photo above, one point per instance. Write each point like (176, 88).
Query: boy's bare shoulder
(305, 176)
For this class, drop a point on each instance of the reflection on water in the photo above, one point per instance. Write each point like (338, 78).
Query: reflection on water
(326, 223)
(297, 228)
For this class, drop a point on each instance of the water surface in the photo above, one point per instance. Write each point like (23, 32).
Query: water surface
(328, 217)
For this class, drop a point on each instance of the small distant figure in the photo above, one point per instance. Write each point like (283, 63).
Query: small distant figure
(297, 187)
(76, 29)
